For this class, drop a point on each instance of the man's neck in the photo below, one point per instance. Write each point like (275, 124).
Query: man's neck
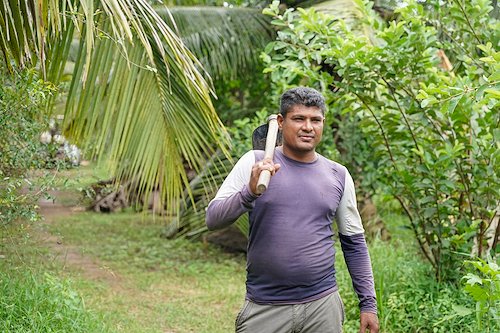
(305, 157)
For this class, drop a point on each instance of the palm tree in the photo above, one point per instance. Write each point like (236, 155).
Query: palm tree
(137, 93)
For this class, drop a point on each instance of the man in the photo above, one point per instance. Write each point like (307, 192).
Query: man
(291, 284)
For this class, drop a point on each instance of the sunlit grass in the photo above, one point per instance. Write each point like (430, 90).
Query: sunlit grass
(50, 304)
(147, 284)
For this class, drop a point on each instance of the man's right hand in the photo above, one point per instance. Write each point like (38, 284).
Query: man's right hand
(265, 164)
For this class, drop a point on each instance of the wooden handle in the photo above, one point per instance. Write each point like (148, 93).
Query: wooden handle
(272, 134)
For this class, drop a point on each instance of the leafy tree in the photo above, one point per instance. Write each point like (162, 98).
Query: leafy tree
(431, 129)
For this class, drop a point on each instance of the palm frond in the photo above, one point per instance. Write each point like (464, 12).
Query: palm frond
(190, 222)
(21, 30)
(147, 120)
(227, 41)
(137, 93)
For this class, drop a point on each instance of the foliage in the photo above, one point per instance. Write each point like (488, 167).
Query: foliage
(409, 298)
(133, 75)
(485, 290)
(33, 303)
(431, 132)
(22, 99)
(242, 97)
(227, 41)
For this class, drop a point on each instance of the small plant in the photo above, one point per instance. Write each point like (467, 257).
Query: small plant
(484, 287)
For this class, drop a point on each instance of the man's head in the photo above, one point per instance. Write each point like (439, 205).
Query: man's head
(301, 122)
(301, 96)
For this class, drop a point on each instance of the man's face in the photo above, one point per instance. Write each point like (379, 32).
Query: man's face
(302, 128)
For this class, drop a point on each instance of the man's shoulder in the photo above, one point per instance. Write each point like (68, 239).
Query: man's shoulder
(259, 154)
(251, 154)
(336, 166)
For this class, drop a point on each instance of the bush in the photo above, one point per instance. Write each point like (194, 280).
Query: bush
(409, 298)
(22, 102)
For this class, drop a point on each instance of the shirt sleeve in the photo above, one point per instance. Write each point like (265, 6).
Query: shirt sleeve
(354, 248)
(347, 214)
(234, 198)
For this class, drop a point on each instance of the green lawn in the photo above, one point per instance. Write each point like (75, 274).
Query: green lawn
(115, 273)
(136, 280)
(160, 285)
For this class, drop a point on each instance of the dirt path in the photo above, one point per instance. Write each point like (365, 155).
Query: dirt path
(179, 297)
(71, 256)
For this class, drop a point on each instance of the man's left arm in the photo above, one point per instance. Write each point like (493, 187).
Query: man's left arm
(355, 250)
(359, 266)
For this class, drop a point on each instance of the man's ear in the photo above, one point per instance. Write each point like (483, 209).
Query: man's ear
(280, 120)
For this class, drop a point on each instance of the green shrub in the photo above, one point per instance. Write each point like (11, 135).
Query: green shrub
(483, 285)
(22, 101)
(32, 303)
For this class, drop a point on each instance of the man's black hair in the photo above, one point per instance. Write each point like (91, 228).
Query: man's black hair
(301, 96)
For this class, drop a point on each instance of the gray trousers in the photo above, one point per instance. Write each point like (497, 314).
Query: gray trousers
(325, 315)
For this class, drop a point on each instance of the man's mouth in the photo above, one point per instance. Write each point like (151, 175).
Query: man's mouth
(306, 137)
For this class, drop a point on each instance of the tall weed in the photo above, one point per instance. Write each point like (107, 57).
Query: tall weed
(33, 302)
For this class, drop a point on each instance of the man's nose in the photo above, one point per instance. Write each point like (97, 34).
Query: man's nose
(307, 125)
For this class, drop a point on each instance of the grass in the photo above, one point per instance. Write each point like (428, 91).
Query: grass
(176, 285)
(117, 274)
(145, 283)
(49, 305)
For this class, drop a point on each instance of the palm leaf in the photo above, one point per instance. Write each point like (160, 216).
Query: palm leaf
(146, 124)
(190, 221)
(137, 93)
(227, 41)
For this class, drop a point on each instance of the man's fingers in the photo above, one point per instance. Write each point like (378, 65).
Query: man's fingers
(369, 321)
(267, 165)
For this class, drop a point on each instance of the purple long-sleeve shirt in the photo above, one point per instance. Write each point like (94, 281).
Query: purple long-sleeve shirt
(291, 257)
